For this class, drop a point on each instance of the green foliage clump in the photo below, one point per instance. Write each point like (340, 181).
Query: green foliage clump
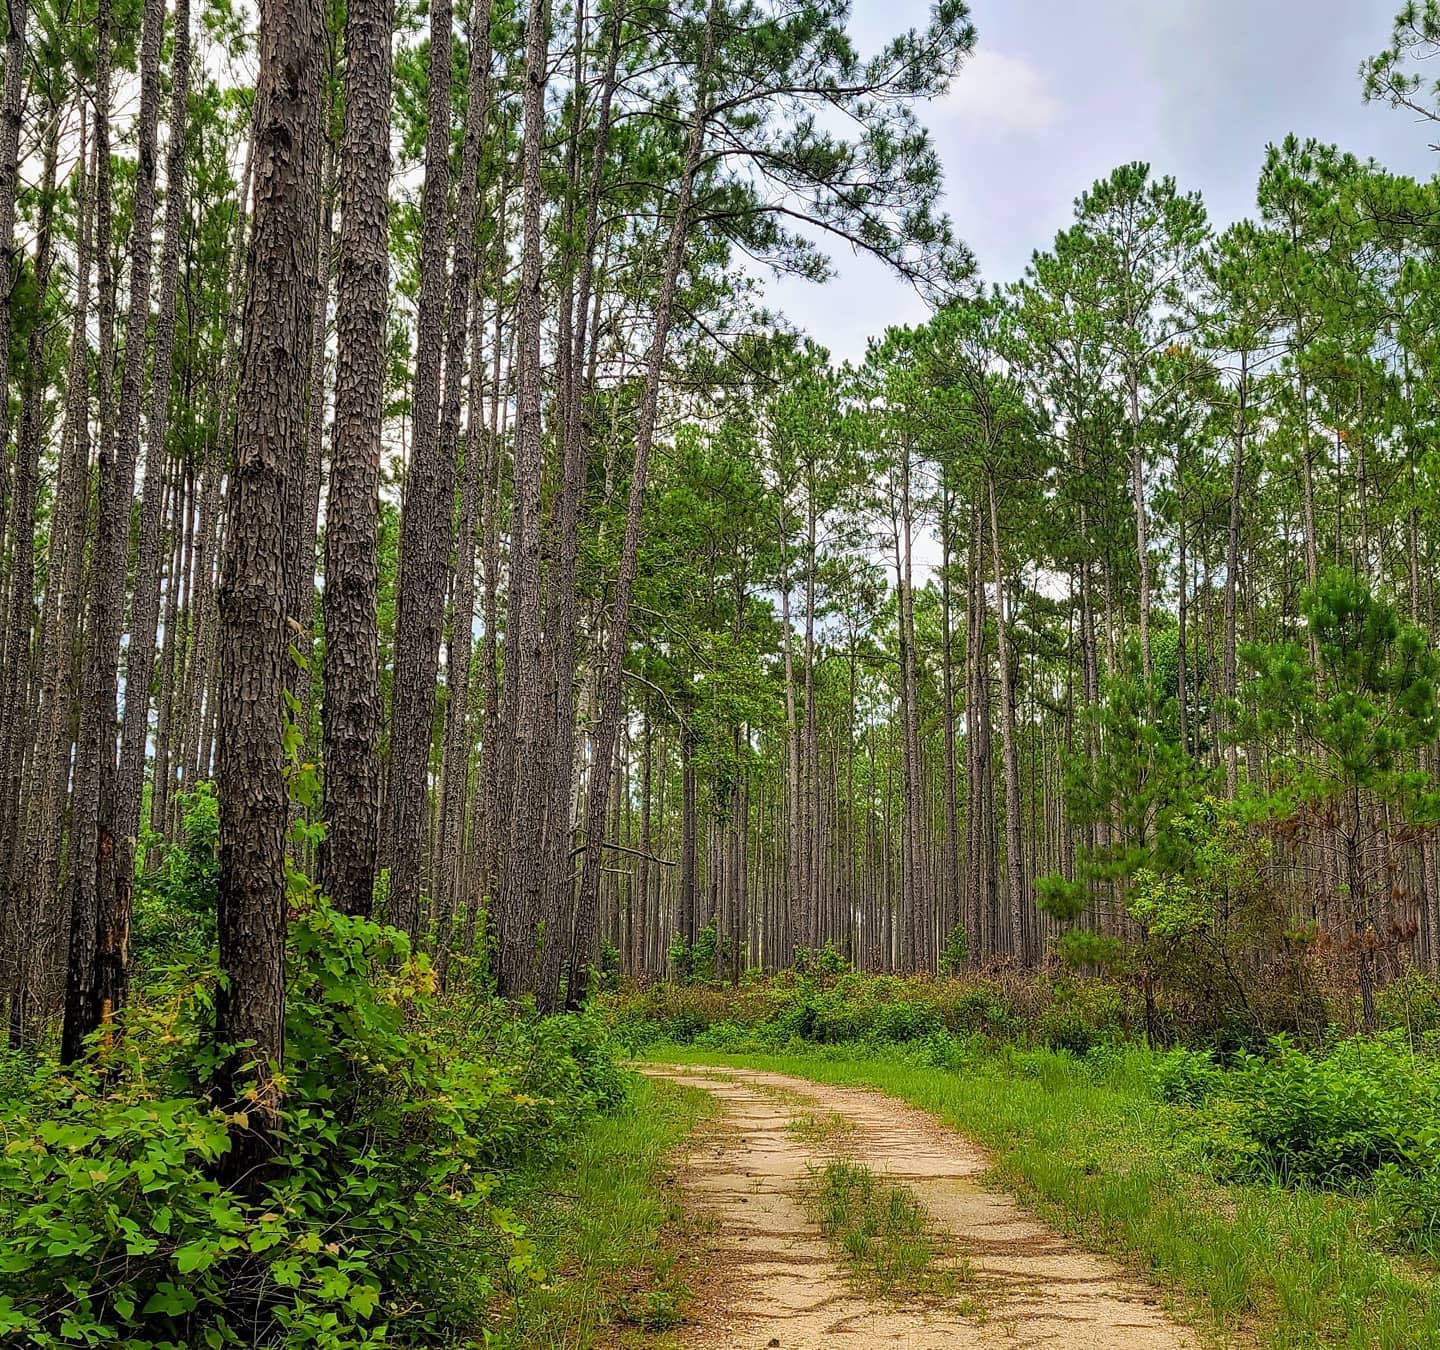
(1411, 1005)
(1408, 1197)
(1083, 1014)
(955, 954)
(1364, 1118)
(175, 900)
(1186, 1077)
(695, 960)
(1332, 1120)
(826, 960)
(382, 1217)
(936, 1019)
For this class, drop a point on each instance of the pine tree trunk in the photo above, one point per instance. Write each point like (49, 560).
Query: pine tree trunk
(426, 521)
(565, 602)
(64, 573)
(115, 856)
(1232, 568)
(455, 736)
(300, 568)
(96, 705)
(36, 934)
(265, 491)
(145, 605)
(951, 888)
(350, 710)
(1014, 861)
(1142, 523)
(526, 920)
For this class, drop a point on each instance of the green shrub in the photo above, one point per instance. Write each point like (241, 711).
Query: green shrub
(1331, 1120)
(1185, 1077)
(826, 960)
(697, 961)
(1411, 1005)
(381, 1219)
(1408, 1198)
(955, 954)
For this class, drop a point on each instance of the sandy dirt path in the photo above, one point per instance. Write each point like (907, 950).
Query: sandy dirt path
(769, 1279)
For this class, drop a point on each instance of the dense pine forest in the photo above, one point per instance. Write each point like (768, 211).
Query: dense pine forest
(456, 634)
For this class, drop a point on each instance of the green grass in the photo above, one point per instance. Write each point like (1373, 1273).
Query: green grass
(880, 1230)
(1099, 1157)
(821, 1129)
(608, 1233)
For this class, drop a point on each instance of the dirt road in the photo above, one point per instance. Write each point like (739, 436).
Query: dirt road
(769, 1279)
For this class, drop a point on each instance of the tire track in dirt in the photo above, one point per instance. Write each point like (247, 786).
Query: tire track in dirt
(768, 1278)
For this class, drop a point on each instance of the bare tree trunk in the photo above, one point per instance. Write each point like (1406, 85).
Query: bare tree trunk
(64, 572)
(794, 899)
(426, 521)
(97, 904)
(36, 937)
(1142, 524)
(455, 739)
(301, 566)
(526, 920)
(488, 796)
(912, 896)
(200, 697)
(951, 888)
(350, 707)
(80, 1013)
(1232, 567)
(809, 804)
(265, 493)
(565, 606)
(1014, 861)
(145, 604)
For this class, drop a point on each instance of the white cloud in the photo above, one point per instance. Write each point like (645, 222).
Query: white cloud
(999, 93)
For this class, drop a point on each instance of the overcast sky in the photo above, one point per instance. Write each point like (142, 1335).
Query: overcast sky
(1059, 92)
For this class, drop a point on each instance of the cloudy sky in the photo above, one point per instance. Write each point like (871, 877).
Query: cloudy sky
(1061, 91)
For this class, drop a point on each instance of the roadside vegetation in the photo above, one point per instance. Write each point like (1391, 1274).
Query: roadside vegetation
(391, 1211)
(612, 1243)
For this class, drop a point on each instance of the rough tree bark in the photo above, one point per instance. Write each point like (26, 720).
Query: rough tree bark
(85, 792)
(269, 443)
(521, 902)
(350, 709)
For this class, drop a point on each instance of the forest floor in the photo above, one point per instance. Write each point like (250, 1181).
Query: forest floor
(767, 1276)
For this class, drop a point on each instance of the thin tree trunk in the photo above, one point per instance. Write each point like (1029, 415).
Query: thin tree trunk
(64, 573)
(463, 296)
(1232, 567)
(80, 1013)
(526, 920)
(1014, 862)
(427, 518)
(145, 605)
